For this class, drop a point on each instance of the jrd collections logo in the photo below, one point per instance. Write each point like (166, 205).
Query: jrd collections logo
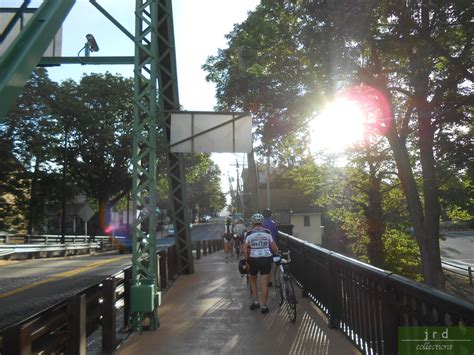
(436, 340)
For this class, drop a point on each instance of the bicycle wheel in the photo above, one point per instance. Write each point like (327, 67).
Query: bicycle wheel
(277, 285)
(237, 248)
(290, 299)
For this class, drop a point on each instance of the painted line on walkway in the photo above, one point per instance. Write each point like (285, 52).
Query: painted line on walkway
(62, 276)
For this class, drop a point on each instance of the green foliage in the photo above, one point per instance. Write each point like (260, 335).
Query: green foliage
(13, 191)
(459, 215)
(28, 135)
(402, 254)
(202, 183)
(290, 56)
(96, 114)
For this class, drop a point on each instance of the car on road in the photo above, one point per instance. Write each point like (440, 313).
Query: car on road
(123, 243)
(204, 219)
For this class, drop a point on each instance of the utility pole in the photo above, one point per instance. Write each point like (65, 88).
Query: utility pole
(253, 182)
(231, 189)
(268, 177)
(64, 173)
(240, 187)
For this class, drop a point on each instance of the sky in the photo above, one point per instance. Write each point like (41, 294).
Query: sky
(200, 28)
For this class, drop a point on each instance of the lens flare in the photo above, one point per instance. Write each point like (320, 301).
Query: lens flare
(358, 112)
(339, 126)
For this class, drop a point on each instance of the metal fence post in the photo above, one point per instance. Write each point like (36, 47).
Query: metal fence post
(109, 318)
(126, 306)
(163, 260)
(304, 278)
(333, 281)
(17, 341)
(209, 246)
(198, 249)
(204, 247)
(389, 320)
(76, 325)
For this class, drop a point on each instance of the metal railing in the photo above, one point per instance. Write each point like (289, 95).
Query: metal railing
(49, 239)
(453, 268)
(12, 245)
(368, 304)
(65, 327)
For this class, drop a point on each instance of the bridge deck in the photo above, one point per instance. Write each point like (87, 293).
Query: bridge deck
(207, 313)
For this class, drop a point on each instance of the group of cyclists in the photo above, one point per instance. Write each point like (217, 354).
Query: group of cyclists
(257, 247)
(233, 237)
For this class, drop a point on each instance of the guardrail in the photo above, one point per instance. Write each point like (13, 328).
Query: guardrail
(368, 304)
(467, 271)
(49, 245)
(48, 249)
(49, 238)
(65, 327)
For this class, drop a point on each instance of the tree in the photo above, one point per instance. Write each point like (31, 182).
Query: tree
(418, 65)
(31, 133)
(12, 190)
(202, 182)
(96, 116)
(409, 62)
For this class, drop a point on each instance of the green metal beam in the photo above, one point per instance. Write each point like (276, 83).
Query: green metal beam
(47, 61)
(169, 101)
(144, 260)
(25, 52)
(112, 19)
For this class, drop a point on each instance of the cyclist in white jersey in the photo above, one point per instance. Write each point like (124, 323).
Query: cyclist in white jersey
(257, 249)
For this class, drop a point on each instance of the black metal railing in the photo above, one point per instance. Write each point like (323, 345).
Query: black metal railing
(368, 304)
(65, 327)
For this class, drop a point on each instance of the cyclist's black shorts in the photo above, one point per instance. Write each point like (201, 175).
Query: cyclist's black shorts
(262, 265)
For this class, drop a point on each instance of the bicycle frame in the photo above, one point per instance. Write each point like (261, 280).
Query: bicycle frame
(284, 289)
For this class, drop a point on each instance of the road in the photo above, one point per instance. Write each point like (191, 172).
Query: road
(458, 248)
(27, 287)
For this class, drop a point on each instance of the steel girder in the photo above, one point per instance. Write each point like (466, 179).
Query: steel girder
(144, 260)
(25, 52)
(169, 101)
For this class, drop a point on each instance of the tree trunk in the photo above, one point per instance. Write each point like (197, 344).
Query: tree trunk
(375, 226)
(33, 199)
(432, 255)
(424, 230)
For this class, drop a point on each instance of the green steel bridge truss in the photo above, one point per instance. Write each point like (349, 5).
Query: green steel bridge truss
(155, 96)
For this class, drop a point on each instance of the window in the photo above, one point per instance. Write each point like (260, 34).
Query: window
(306, 221)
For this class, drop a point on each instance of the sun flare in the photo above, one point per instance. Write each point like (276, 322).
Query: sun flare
(338, 127)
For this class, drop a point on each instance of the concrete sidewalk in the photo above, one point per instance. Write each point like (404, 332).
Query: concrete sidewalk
(208, 313)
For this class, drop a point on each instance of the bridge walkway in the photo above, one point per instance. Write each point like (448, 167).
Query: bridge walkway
(208, 313)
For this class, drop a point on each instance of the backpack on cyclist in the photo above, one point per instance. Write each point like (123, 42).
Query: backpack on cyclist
(243, 267)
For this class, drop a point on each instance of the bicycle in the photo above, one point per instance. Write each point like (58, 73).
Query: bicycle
(237, 241)
(285, 292)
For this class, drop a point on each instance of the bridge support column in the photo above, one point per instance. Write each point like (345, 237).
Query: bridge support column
(76, 325)
(109, 326)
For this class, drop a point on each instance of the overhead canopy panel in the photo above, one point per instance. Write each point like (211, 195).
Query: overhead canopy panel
(211, 132)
